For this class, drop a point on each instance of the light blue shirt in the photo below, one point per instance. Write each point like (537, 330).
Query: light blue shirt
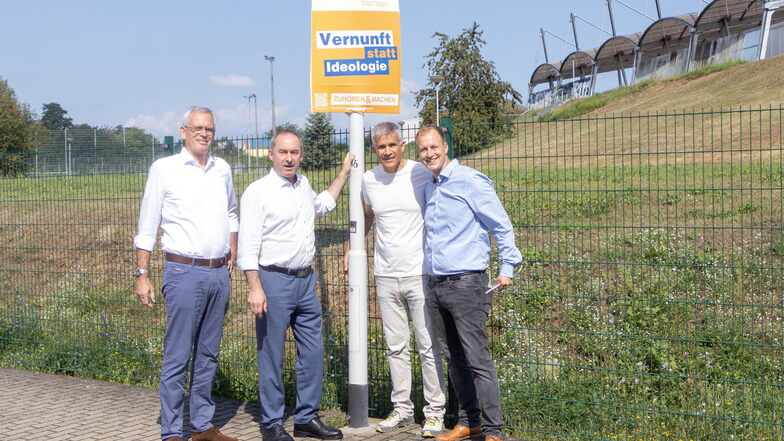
(460, 206)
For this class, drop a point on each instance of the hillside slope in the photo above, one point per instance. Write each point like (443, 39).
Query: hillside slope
(749, 85)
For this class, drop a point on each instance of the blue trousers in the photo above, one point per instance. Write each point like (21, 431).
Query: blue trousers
(291, 301)
(196, 301)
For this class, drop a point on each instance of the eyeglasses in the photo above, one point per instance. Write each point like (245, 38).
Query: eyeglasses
(209, 130)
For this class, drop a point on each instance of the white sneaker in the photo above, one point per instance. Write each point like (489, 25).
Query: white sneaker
(393, 421)
(432, 426)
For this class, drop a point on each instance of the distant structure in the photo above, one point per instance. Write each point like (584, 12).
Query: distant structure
(724, 30)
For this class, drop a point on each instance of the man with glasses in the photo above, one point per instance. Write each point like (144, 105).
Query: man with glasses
(393, 194)
(276, 249)
(191, 197)
(460, 207)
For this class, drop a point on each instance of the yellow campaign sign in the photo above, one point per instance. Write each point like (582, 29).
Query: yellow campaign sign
(355, 56)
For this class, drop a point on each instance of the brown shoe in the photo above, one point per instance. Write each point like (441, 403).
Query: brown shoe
(211, 434)
(174, 438)
(493, 438)
(459, 432)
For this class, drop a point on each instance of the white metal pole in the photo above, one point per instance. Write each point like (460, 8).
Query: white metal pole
(357, 281)
(438, 115)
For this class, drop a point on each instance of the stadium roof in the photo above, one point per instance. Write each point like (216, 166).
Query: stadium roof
(608, 52)
(544, 73)
(719, 18)
(667, 35)
(725, 17)
(578, 64)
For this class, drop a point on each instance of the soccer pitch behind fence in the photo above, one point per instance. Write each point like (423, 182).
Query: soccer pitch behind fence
(649, 306)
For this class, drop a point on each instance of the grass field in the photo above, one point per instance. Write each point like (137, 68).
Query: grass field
(649, 306)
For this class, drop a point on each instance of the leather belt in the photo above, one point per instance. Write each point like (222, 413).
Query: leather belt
(456, 276)
(298, 273)
(198, 261)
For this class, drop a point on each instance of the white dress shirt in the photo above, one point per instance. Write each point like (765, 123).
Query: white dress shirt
(277, 220)
(196, 208)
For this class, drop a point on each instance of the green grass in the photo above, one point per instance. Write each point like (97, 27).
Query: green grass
(649, 304)
(581, 106)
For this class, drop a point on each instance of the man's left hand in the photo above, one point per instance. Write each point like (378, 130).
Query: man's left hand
(503, 282)
(348, 162)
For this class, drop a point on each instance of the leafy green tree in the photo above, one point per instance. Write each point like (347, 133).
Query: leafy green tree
(320, 150)
(280, 127)
(19, 133)
(53, 117)
(472, 92)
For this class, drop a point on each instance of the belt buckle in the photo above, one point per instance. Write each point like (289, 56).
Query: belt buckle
(300, 273)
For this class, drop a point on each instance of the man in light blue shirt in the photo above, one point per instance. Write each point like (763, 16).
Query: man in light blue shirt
(460, 206)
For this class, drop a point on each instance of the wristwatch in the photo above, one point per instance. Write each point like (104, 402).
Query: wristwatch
(139, 271)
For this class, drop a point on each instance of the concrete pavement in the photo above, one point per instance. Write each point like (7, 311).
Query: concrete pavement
(47, 407)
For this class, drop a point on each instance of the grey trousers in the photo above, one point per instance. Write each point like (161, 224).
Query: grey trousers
(459, 309)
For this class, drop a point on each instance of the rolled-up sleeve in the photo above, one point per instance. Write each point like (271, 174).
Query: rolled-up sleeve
(150, 212)
(251, 222)
(234, 221)
(323, 203)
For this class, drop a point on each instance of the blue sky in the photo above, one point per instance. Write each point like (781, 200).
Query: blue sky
(143, 63)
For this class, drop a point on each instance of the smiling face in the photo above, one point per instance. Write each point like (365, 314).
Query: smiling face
(198, 134)
(389, 150)
(432, 149)
(286, 155)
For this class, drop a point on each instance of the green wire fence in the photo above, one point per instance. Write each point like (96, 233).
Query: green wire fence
(650, 305)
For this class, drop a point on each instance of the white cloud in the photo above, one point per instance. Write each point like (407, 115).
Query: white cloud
(408, 86)
(167, 123)
(232, 80)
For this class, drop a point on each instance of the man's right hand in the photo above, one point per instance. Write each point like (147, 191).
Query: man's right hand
(345, 264)
(257, 301)
(144, 290)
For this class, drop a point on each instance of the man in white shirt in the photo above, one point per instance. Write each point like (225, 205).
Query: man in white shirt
(393, 194)
(191, 197)
(276, 248)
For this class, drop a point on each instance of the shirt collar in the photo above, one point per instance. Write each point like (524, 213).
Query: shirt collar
(187, 158)
(446, 171)
(283, 181)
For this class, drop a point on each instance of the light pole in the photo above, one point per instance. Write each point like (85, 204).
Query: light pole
(437, 79)
(250, 120)
(271, 59)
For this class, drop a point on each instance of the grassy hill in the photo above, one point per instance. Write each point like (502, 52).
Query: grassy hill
(713, 87)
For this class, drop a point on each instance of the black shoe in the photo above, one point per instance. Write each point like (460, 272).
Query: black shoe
(316, 429)
(276, 433)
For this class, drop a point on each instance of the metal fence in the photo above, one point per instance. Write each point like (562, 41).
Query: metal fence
(649, 306)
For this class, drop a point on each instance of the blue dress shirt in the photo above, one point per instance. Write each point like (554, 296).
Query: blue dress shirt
(460, 206)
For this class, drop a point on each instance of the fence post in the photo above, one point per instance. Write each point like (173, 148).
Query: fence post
(446, 125)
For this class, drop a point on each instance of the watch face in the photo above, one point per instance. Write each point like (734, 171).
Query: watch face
(138, 272)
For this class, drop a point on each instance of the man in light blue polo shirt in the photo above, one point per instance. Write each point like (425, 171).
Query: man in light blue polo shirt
(460, 206)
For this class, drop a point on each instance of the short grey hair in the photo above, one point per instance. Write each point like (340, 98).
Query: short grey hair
(286, 132)
(186, 118)
(386, 129)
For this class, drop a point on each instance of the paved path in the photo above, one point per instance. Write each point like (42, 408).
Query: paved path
(46, 407)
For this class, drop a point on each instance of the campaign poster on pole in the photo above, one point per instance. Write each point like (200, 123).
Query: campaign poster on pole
(355, 56)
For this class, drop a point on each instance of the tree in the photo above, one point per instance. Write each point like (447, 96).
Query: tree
(19, 133)
(472, 93)
(320, 151)
(291, 127)
(53, 117)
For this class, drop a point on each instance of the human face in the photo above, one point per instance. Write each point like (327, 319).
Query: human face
(389, 150)
(432, 151)
(286, 155)
(198, 142)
